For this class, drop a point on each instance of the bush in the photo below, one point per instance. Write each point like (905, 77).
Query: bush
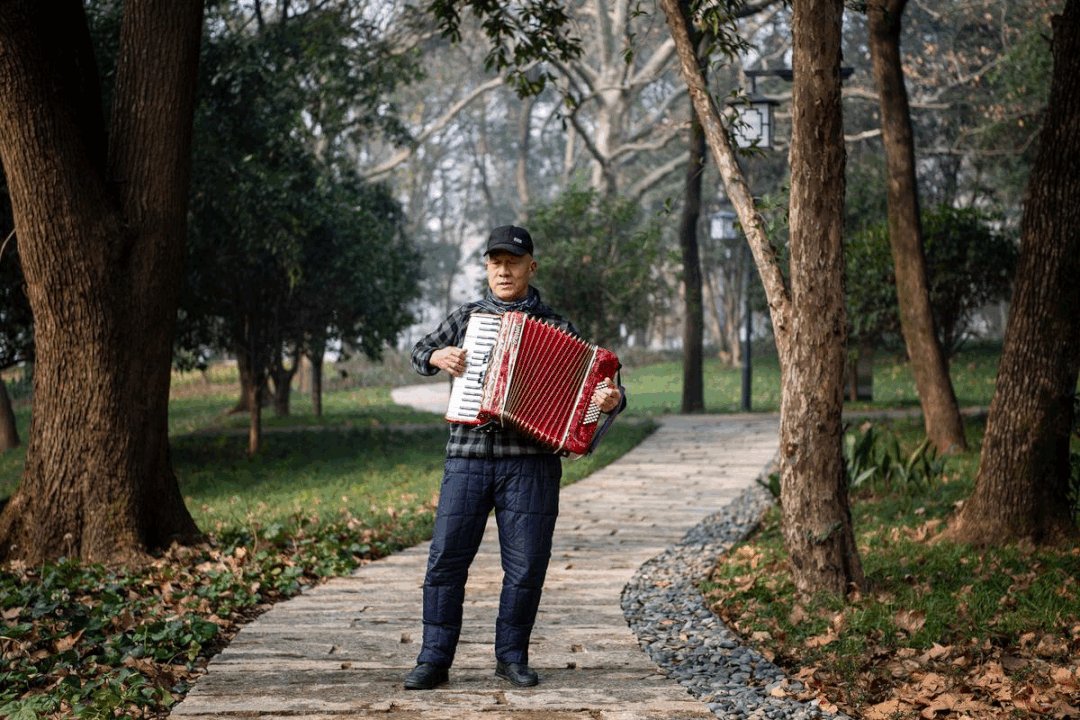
(873, 458)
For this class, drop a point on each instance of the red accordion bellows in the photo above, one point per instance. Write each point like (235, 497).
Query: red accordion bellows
(537, 378)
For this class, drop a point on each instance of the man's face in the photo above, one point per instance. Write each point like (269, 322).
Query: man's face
(508, 275)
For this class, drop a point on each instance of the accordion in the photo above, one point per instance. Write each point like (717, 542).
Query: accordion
(532, 376)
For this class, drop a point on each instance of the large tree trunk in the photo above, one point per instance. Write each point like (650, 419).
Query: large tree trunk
(941, 414)
(9, 433)
(1022, 484)
(814, 499)
(808, 320)
(101, 240)
(693, 390)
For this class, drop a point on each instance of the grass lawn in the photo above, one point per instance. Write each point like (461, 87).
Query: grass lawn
(936, 623)
(323, 496)
(657, 388)
(978, 634)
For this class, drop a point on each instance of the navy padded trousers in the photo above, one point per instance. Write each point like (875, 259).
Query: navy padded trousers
(524, 491)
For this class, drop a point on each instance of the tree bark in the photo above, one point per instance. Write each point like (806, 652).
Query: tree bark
(1022, 484)
(808, 319)
(255, 403)
(941, 414)
(282, 374)
(315, 356)
(243, 371)
(693, 392)
(9, 432)
(814, 500)
(101, 230)
(693, 389)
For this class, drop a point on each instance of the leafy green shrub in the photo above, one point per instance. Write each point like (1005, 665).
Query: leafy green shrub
(601, 263)
(873, 458)
(968, 263)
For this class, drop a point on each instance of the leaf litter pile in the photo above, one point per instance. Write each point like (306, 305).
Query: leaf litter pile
(939, 631)
(96, 642)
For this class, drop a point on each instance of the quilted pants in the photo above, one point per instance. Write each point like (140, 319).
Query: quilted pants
(524, 491)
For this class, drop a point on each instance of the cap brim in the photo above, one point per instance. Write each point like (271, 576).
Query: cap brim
(507, 247)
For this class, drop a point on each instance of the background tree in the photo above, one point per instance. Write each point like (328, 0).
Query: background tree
(600, 263)
(278, 215)
(1021, 488)
(100, 218)
(816, 516)
(941, 413)
(362, 252)
(16, 320)
(969, 265)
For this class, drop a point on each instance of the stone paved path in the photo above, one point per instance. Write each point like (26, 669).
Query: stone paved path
(340, 650)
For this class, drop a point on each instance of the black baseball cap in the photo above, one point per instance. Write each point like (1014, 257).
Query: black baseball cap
(510, 238)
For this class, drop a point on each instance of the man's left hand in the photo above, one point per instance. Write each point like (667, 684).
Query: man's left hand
(607, 397)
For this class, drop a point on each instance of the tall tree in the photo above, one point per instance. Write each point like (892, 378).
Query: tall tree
(1022, 484)
(693, 385)
(941, 413)
(101, 220)
(808, 317)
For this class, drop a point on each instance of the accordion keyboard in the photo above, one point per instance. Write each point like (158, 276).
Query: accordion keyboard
(467, 391)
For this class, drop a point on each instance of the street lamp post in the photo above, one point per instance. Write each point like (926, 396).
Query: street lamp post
(753, 128)
(722, 227)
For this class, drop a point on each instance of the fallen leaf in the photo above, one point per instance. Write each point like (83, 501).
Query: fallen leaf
(1064, 678)
(936, 652)
(884, 710)
(910, 621)
(66, 643)
(945, 702)
(822, 640)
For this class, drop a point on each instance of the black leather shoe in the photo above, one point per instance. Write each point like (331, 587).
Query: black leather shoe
(518, 674)
(425, 677)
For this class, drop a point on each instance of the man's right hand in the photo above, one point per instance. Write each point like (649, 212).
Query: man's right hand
(450, 359)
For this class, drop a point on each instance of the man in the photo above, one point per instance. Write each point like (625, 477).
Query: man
(491, 467)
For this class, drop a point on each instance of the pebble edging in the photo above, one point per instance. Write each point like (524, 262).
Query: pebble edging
(668, 615)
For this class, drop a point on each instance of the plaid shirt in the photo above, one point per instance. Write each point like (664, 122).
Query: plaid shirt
(489, 440)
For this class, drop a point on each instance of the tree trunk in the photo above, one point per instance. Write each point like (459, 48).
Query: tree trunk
(255, 402)
(814, 500)
(941, 414)
(1022, 484)
(101, 231)
(282, 374)
(9, 433)
(246, 374)
(316, 355)
(693, 390)
(808, 320)
(243, 370)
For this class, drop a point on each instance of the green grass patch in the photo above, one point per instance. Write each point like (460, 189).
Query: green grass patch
(928, 605)
(656, 388)
(95, 642)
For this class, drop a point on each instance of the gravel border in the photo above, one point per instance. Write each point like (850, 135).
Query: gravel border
(668, 614)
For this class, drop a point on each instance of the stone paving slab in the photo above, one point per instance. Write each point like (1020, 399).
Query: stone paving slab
(341, 649)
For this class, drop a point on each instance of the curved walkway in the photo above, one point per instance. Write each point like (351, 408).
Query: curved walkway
(341, 649)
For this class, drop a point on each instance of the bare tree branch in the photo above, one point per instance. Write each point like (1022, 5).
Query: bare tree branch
(405, 153)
